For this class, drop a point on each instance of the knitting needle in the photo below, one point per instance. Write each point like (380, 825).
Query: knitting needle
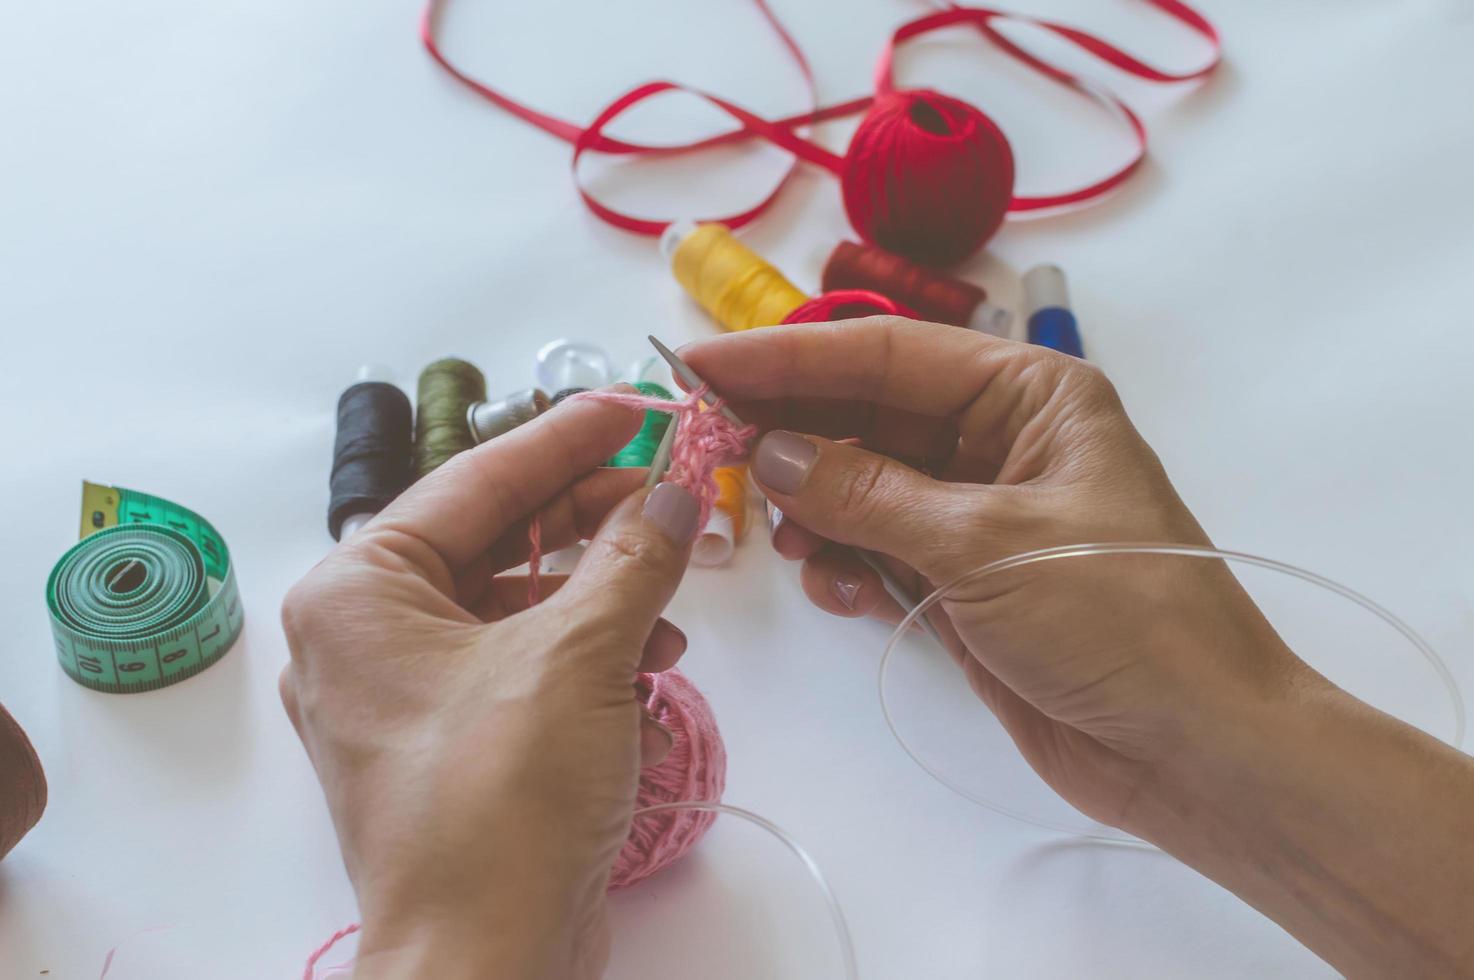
(660, 462)
(683, 371)
(899, 592)
(893, 585)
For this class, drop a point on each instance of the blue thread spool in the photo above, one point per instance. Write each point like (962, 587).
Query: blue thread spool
(1047, 301)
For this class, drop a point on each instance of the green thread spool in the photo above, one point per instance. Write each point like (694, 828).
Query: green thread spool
(641, 449)
(447, 389)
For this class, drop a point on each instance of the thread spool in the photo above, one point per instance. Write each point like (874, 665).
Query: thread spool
(730, 281)
(641, 449)
(446, 391)
(718, 541)
(371, 453)
(1047, 304)
(22, 784)
(652, 368)
(563, 364)
(487, 420)
(933, 295)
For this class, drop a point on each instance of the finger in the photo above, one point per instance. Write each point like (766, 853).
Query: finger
(664, 647)
(838, 582)
(461, 509)
(791, 539)
(286, 685)
(509, 594)
(928, 369)
(656, 741)
(856, 497)
(570, 517)
(886, 360)
(631, 568)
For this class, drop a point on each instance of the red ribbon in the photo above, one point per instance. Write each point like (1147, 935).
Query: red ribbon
(782, 132)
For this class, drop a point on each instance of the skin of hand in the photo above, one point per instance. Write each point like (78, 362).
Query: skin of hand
(1148, 691)
(480, 758)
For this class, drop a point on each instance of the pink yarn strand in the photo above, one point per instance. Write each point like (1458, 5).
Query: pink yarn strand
(534, 560)
(321, 951)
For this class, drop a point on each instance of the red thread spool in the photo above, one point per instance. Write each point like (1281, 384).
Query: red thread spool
(846, 304)
(927, 176)
(935, 297)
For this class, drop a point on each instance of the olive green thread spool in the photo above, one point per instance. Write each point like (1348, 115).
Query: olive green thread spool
(641, 449)
(446, 391)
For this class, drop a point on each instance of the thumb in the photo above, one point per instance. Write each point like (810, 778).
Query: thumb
(633, 565)
(856, 497)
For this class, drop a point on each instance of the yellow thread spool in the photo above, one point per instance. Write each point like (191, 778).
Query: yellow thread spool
(731, 281)
(728, 519)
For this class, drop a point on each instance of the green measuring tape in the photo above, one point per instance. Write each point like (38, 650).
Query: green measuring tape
(147, 598)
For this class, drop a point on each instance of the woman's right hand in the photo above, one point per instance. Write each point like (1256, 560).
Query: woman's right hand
(1147, 691)
(960, 449)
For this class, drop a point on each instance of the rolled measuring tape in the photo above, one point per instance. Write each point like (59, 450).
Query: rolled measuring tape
(146, 598)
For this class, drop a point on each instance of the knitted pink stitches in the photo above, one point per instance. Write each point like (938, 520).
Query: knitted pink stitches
(705, 441)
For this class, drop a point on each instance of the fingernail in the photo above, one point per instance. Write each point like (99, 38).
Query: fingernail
(671, 508)
(666, 643)
(846, 587)
(782, 459)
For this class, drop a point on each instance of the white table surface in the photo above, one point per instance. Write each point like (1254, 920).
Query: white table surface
(212, 213)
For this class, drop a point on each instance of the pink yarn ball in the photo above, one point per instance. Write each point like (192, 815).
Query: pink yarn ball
(696, 769)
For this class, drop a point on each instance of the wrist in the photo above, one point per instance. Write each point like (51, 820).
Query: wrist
(533, 929)
(1232, 750)
(452, 948)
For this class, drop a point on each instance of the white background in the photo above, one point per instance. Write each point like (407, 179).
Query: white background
(212, 213)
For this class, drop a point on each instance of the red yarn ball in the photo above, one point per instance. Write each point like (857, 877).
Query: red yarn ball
(927, 176)
(695, 769)
(846, 304)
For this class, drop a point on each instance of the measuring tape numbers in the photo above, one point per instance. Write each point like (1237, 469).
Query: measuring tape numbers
(146, 598)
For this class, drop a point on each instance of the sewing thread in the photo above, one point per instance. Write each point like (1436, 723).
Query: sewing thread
(731, 281)
(641, 449)
(447, 389)
(933, 295)
(371, 451)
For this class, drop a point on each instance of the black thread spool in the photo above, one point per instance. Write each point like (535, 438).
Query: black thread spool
(371, 454)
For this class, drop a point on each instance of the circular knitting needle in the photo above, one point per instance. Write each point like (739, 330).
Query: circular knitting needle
(683, 371)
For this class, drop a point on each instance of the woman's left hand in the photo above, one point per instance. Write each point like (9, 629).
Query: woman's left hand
(480, 758)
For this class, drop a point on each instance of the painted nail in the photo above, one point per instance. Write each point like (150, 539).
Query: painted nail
(846, 587)
(671, 508)
(775, 519)
(782, 459)
(666, 643)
